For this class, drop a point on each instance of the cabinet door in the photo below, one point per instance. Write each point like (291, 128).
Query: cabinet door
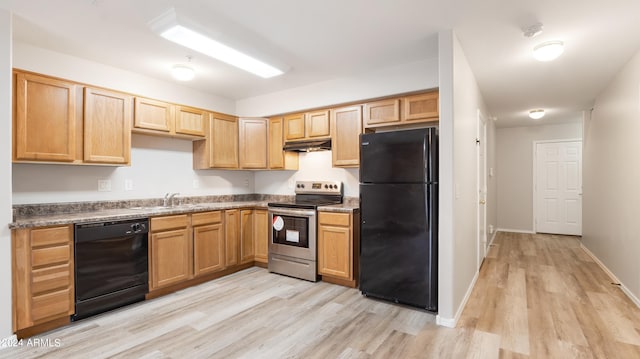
(208, 249)
(385, 112)
(335, 251)
(224, 143)
(294, 127)
(153, 115)
(246, 236)
(107, 126)
(190, 121)
(231, 236)
(253, 143)
(170, 253)
(276, 155)
(346, 125)
(43, 275)
(422, 107)
(261, 235)
(318, 124)
(45, 119)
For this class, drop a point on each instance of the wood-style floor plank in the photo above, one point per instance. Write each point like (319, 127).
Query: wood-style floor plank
(537, 296)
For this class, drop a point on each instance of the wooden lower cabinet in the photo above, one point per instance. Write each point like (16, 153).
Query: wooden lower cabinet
(261, 235)
(43, 276)
(208, 243)
(338, 239)
(231, 236)
(170, 247)
(247, 248)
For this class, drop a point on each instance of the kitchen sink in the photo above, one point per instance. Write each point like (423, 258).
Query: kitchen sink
(154, 208)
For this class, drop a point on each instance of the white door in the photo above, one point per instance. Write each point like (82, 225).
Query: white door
(481, 150)
(558, 185)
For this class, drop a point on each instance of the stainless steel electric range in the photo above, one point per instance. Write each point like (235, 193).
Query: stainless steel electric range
(293, 249)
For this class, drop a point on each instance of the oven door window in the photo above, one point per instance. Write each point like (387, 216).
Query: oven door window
(294, 231)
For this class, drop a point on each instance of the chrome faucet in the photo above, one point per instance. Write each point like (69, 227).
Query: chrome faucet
(172, 197)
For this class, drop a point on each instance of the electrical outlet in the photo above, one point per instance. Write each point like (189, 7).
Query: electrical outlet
(291, 183)
(104, 185)
(128, 185)
(246, 182)
(491, 229)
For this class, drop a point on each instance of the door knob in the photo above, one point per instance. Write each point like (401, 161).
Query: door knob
(482, 201)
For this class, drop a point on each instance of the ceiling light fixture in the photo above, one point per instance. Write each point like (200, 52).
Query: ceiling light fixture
(205, 45)
(536, 114)
(548, 51)
(182, 73)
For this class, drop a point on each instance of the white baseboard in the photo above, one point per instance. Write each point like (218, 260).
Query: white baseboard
(493, 236)
(613, 277)
(515, 230)
(452, 322)
(4, 343)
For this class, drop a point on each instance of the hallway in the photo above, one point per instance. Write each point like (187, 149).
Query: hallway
(542, 295)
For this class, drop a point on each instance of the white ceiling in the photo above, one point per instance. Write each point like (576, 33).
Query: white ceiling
(322, 40)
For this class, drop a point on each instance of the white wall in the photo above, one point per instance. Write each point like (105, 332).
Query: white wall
(6, 329)
(611, 177)
(158, 165)
(312, 166)
(414, 76)
(515, 170)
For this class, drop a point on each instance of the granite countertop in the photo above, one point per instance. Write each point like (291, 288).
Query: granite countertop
(27, 221)
(51, 214)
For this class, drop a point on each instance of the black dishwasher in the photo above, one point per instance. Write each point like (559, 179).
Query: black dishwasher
(111, 265)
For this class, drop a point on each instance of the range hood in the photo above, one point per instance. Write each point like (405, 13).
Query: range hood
(307, 146)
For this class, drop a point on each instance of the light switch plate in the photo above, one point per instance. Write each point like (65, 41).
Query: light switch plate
(128, 185)
(104, 185)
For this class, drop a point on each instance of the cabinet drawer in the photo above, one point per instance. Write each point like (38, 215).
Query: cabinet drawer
(169, 222)
(50, 278)
(334, 219)
(48, 236)
(50, 255)
(53, 304)
(198, 219)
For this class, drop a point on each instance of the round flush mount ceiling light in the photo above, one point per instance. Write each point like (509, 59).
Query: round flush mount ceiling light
(536, 114)
(548, 51)
(182, 73)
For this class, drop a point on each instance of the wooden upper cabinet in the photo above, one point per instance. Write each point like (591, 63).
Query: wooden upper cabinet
(253, 143)
(166, 119)
(421, 107)
(317, 124)
(153, 115)
(223, 136)
(346, 125)
(294, 127)
(107, 126)
(191, 121)
(279, 159)
(402, 111)
(383, 112)
(46, 120)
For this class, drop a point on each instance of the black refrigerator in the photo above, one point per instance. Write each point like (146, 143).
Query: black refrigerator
(399, 216)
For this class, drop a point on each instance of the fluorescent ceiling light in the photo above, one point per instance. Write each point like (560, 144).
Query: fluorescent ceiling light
(198, 42)
(548, 51)
(536, 114)
(183, 73)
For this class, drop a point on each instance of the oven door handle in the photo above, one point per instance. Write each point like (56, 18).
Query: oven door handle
(293, 212)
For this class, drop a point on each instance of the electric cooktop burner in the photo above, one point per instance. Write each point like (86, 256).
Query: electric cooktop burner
(311, 194)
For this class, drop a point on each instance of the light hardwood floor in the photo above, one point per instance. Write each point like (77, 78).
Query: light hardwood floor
(537, 296)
